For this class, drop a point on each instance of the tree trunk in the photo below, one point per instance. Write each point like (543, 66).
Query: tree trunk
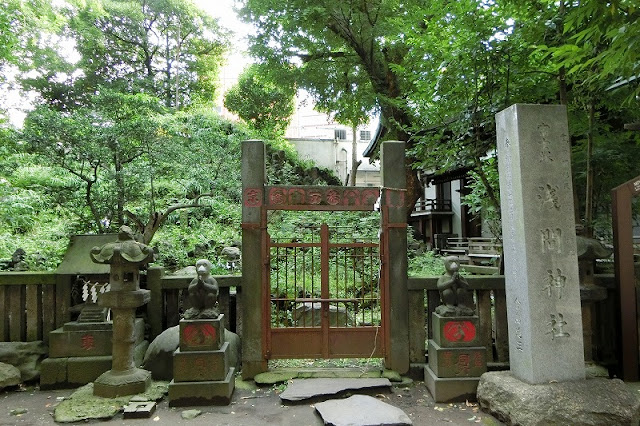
(588, 208)
(119, 178)
(355, 163)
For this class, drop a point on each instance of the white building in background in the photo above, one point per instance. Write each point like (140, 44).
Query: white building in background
(318, 138)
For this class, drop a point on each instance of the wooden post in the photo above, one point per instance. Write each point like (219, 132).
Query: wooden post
(394, 201)
(155, 307)
(253, 259)
(625, 274)
(63, 299)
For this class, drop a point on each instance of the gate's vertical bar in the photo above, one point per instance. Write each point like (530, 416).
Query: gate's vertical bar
(394, 200)
(254, 269)
(324, 285)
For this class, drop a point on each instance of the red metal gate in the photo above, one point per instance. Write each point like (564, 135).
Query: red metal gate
(323, 291)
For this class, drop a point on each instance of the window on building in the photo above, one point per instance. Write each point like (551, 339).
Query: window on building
(340, 134)
(365, 135)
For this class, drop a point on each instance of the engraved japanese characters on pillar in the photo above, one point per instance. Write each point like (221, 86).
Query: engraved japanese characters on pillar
(555, 283)
(551, 240)
(548, 196)
(518, 325)
(545, 149)
(556, 326)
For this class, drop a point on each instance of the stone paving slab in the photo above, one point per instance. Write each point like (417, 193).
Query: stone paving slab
(301, 389)
(361, 410)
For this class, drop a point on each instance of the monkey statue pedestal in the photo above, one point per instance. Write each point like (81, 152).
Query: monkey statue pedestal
(456, 361)
(201, 371)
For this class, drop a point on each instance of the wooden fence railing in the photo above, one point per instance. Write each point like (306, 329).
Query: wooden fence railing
(492, 312)
(32, 304)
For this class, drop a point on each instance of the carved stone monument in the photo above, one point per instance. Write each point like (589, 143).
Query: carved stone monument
(546, 383)
(202, 374)
(125, 257)
(538, 229)
(456, 360)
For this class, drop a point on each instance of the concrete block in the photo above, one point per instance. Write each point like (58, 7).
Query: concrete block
(83, 370)
(456, 389)
(79, 343)
(457, 362)
(200, 365)
(53, 373)
(202, 334)
(70, 341)
(454, 332)
(202, 393)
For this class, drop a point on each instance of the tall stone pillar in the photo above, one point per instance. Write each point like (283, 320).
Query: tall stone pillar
(253, 264)
(394, 222)
(538, 231)
(125, 257)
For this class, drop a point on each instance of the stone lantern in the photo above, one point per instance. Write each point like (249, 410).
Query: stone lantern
(125, 257)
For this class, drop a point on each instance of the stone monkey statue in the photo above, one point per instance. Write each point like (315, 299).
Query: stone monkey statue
(203, 293)
(456, 298)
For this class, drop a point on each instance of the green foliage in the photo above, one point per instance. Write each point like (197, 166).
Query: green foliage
(261, 102)
(479, 203)
(427, 264)
(99, 146)
(342, 53)
(168, 49)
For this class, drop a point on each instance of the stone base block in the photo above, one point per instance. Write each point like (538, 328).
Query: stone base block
(202, 334)
(113, 384)
(596, 401)
(457, 362)
(182, 394)
(454, 332)
(456, 389)
(201, 365)
(78, 341)
(53, 373)
(83, 370)
(72, 372)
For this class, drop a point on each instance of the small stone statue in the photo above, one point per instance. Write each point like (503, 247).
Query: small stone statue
(203, 293)
(456, 298)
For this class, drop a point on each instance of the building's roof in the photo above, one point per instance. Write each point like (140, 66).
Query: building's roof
(77, 261)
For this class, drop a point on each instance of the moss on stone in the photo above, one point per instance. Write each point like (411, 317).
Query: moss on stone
(84, 405)
(273, 377)
(393, 376)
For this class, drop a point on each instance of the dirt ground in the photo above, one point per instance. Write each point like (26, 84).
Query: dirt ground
(261, 406)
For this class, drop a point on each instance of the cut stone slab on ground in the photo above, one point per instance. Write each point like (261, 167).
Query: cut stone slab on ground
(361, 410)
(303, 389)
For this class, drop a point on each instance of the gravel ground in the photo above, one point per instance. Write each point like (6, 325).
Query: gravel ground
(250, 406)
